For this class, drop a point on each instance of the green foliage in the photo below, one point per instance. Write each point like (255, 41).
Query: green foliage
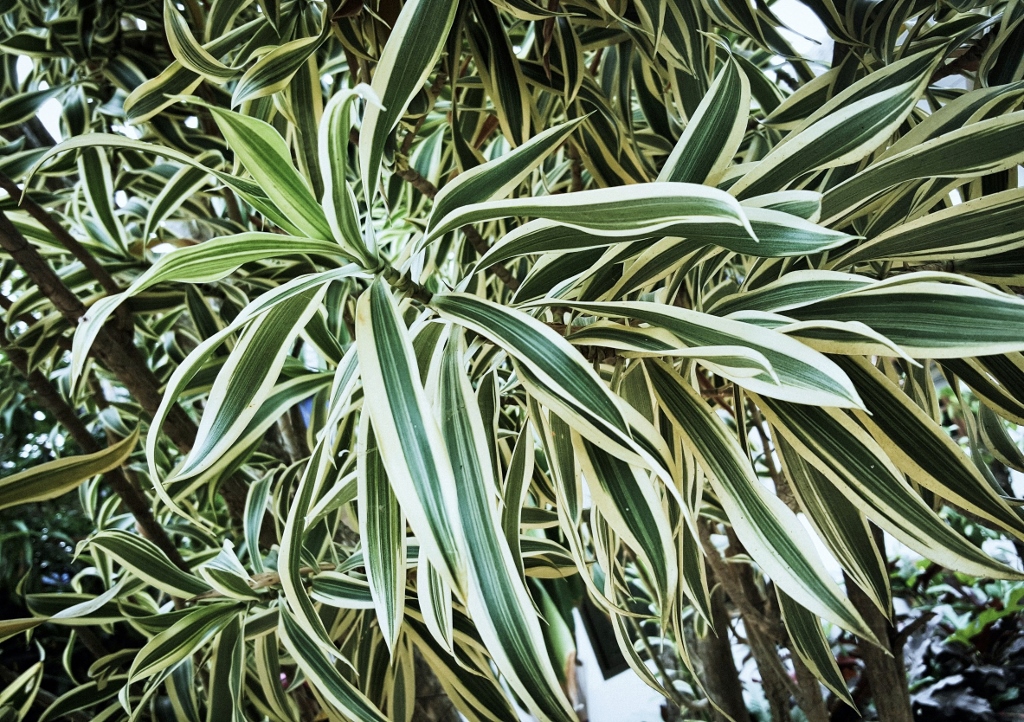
(416, 304)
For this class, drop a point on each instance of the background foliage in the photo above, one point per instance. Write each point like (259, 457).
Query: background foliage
(359, 341)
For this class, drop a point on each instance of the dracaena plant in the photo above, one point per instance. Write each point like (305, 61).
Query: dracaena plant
(410, 312)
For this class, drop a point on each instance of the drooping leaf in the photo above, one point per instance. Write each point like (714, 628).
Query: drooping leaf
(55, 478)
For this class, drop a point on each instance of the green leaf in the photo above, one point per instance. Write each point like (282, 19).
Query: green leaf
(514, 492)
(408, 437)
(840, 524)
(255, 507)
(793, 290)
(435, 600)
(55, 478)
(771, 533)
(146, 561)
(499, 69)
(98, 185)
(84, 696)
(18, 696)
(185, 183)
(382, 536)
(265, 155)
(777, 234)
(204, 263)
(20, 107)
(342, 591)
(412, 49)
(247, 189)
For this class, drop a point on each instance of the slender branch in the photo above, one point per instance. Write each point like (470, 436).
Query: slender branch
(968, 60)
(575, 166)
(751, 615)
(60, 233)
(115, 349)
(129, 493)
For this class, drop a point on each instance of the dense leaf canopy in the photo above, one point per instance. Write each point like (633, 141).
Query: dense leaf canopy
(377, 324)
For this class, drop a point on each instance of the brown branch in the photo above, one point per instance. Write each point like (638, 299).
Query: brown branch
(751, 615)
(968, 60)
(63, 237)
(132, 497)
(115, 349)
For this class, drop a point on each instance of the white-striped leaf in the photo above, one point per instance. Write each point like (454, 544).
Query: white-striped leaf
(407, 435)
(382, 536)
(263, 152)
(922, 449)
(797, 372)
(569, 386)
(771, 533)
(714, 131)
(987, 146)
(247, 377)
(499, 177)
(272, 72)
(227, 677)
(809, 641)
(840, 524)
(182, 639)
(188, 51)
(146, 561)
(843, 137)
(55, 478)
(980, 227)
(629, 502)
(935, 320)
(415, 44)
(498, 600)
(613, 212)
(849, 458)
(319, 669)
(339, 201)
(435, 600)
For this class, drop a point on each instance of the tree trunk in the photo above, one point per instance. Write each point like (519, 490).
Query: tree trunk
(432, 702)
(719, 676)
(886, 674)
(810, 699)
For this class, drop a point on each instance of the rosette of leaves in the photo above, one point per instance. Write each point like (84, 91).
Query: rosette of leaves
(463, 295)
